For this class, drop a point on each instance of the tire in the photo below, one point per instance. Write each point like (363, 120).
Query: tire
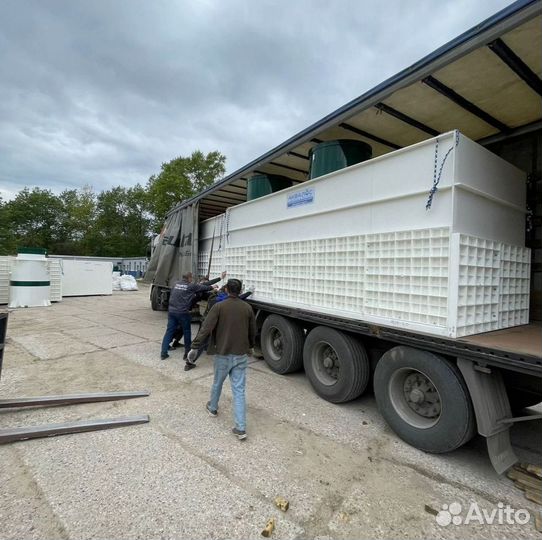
(336, 364)
(282, 344)
(155, 300)
(424, 399)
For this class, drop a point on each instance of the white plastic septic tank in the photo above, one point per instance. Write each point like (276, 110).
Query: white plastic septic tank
(29, 284)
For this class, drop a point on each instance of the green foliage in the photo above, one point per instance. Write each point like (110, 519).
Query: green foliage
(33, 218)
(114, 223)
(182, 178)
(123, 223)
(7, 238)
(78, 217)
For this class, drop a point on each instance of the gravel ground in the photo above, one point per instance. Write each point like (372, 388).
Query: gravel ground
(184, 475)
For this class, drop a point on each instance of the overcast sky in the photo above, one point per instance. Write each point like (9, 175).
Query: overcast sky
(102, 92)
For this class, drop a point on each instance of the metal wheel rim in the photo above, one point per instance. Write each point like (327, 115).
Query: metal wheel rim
(274, 342)
(415, 398)
(325, 362)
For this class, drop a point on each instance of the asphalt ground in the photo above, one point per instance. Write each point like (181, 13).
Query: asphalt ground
(184, 475)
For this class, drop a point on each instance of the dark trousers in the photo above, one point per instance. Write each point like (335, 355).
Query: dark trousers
(174, 320)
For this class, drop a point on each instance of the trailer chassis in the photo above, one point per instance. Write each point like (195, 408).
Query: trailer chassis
(480, 367)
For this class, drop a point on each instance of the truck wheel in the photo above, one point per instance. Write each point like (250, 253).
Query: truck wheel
(424, 399)
(155, 300)
(336, 364)
(282, 344)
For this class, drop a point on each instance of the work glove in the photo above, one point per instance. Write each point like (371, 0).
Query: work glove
(192, 355)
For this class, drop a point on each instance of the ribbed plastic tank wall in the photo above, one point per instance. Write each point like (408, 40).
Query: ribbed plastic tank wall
(362, 243)
(331, 156)
(5, 269)
(55, 273)
(29, 284)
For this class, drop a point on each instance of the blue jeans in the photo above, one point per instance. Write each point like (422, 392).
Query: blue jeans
(173, 322)
(235, 366)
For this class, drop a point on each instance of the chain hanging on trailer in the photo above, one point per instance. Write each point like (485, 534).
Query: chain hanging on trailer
(436, 177)
(221, 232)
(228, 215)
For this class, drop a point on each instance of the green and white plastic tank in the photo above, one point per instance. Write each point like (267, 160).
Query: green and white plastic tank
(29, 284)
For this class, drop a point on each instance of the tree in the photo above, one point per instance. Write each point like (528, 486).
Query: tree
(33, 218)
(7, 236)
(118, 222)
(123, 223)
(182, 178)
(78, 219)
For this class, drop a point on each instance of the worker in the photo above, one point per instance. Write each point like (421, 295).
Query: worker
(214, 297)
(204, 295)
(180, 303)
(231, 326)
(222, 295)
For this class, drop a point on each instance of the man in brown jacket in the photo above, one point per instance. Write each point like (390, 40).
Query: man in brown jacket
(231, 326)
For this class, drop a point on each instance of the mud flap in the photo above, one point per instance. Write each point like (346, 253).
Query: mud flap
(491, 407)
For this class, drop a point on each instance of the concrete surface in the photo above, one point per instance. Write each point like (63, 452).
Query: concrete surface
(184, 475)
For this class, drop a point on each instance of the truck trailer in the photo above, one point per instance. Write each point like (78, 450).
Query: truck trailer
(395, 244)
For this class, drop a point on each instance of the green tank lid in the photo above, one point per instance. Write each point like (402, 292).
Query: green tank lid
(32, 250)
(331, 156)
(264, 184)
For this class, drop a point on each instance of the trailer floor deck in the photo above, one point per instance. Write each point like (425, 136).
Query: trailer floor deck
(525, 340)
(183, 475)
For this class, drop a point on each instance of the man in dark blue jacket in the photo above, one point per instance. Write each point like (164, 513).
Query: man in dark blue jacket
(180, 303)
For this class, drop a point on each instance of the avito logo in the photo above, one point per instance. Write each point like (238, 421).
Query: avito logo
(502, 515)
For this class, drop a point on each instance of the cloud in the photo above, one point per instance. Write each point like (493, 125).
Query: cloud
(103, 92)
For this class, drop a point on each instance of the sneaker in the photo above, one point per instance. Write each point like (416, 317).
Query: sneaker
(188, 366)
(209, 410)
(174, 345)
(241, 435)
(185, 356)
(164, 356)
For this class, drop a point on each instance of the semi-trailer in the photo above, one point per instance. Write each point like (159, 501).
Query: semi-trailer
(410, 264)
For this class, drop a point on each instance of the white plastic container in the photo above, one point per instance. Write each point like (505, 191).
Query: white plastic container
(360, 243)
(86, 278)
(29, 284)
(55, 275)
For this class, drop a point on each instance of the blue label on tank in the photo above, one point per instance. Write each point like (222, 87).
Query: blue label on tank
(301, 197)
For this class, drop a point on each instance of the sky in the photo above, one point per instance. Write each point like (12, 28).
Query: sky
(101, 93)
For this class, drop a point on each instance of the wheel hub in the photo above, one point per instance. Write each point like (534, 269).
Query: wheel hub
(276, 340)
(421, 395)
(274, 344)
(327, 364)
(417, 396)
